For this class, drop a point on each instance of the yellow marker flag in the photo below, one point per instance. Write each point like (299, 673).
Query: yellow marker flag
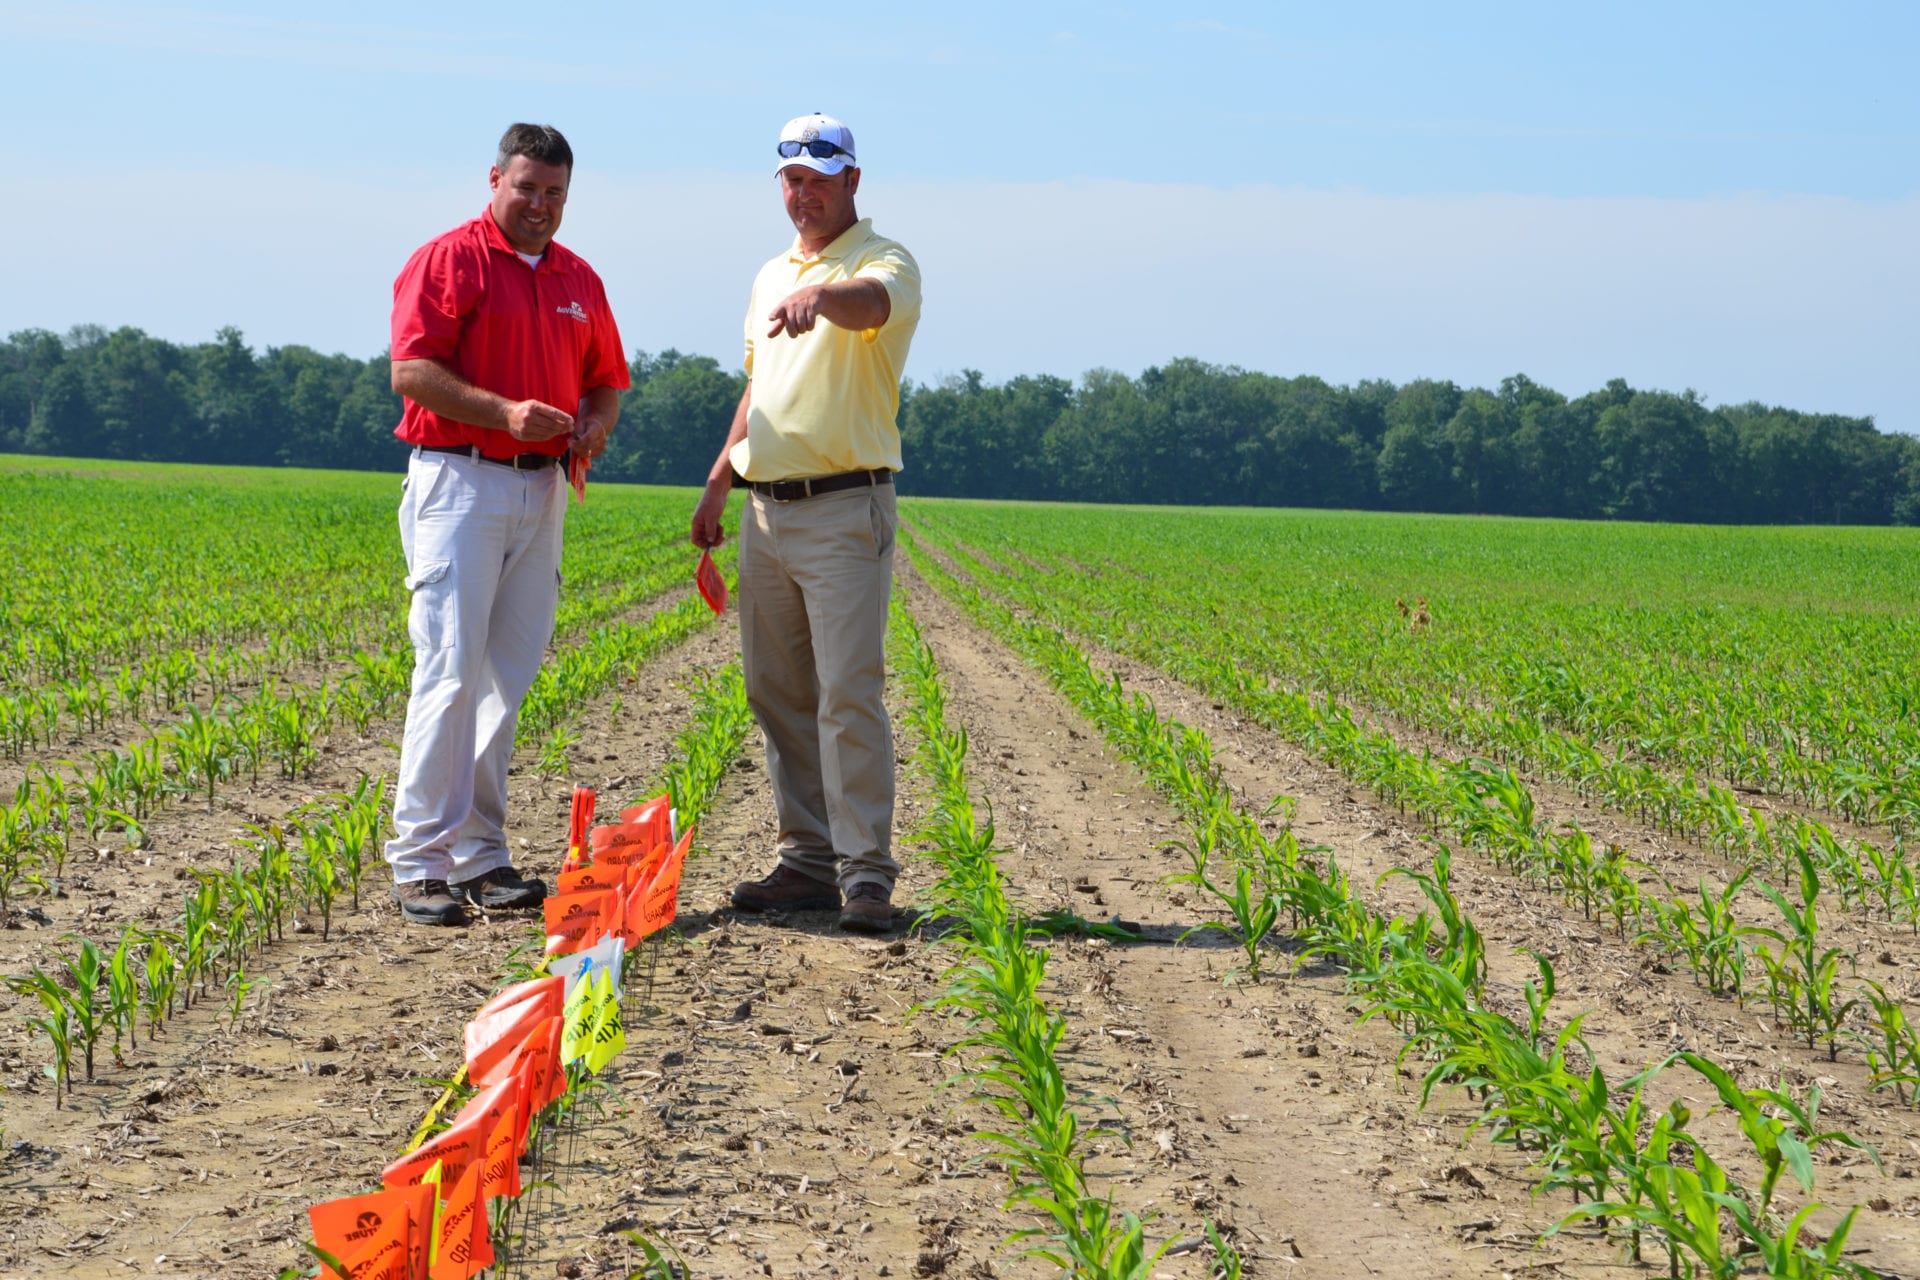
(576, 1027)
(609, 1036)
(432, 1177)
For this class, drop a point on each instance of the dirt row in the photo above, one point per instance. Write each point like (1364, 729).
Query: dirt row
(201, 1153)
(1636, 1011)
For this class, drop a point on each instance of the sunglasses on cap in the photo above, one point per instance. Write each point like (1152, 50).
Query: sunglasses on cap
(819, 149)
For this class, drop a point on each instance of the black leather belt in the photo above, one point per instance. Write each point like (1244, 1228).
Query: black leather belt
(519, 461)
(794, 490)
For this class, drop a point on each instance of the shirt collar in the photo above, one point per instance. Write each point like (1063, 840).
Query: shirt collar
(497, 239)
(841, 246)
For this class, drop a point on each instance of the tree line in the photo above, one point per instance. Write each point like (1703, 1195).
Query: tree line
(1186, 432)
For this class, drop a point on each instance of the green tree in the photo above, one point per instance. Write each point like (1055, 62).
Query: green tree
(1416, 460)
(673, 420)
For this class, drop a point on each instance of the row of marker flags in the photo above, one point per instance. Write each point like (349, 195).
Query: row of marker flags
(618, 886)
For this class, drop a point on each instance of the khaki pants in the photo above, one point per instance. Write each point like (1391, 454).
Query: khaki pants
(815, 577)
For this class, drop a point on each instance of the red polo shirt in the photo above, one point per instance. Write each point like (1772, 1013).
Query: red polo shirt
(528, 333)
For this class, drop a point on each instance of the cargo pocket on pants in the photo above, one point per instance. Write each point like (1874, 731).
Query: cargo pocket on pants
(432, 620)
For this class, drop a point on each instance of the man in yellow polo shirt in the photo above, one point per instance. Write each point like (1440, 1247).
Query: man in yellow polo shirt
(816, 443)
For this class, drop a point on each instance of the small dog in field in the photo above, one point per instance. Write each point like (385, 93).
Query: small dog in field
(1417, 617)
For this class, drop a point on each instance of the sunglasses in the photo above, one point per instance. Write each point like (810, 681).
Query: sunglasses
(819, 149)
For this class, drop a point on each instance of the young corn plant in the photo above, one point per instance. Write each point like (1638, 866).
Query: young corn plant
(58, 1029)
(1891, 1047)
(358, 823)
(710, 742)
(1681, 1204)
(1783, 1130)
(123, 996)
(1712, 939)
(238, 986)
(1803, 981)
(553, 760)
(198, 746)
(1252, 903)
(19, 853)
(90, 1015)
(163, 978)
(319, 879)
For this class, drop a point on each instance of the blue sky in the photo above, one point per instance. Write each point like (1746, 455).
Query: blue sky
(1711, 195)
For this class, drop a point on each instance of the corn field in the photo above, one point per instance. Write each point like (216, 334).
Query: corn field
(1281, 893)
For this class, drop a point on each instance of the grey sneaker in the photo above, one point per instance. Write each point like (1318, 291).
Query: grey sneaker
(786, 890)
(869, 909)
(500, 889)
(428, 902)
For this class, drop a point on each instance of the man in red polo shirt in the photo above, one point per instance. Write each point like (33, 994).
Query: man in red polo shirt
(507, 354)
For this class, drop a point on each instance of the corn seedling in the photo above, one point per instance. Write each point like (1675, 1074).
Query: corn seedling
(1802, 979)
(123, 995)
(1891, 1047)
(163, 976)
(58, 1029)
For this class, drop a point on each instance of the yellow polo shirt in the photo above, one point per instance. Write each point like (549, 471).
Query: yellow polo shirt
(827, 401)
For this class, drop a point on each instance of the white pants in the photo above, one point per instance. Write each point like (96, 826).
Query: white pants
(482, 543)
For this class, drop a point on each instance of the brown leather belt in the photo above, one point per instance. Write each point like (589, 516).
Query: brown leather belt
(813, 487)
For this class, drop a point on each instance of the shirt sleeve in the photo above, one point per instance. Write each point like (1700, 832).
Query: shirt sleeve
(432, 296)
(606, 363)
(895, 269)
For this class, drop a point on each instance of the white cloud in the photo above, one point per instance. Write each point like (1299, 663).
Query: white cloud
(1808, 301)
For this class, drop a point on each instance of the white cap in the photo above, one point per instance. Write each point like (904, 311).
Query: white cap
(818, 128)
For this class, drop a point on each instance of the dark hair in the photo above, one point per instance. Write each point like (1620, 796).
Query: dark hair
(540, 142)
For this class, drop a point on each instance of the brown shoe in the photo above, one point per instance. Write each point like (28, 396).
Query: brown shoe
(428, 902)
(869, 909)
(786, 890)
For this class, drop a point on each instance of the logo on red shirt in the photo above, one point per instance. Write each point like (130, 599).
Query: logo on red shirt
(574, 309)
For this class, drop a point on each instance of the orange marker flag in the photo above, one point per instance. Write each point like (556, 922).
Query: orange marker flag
(539, 1058)
(658, 909)
(655, 814)
(577, 475)
(640, 877)
(616, 843)
(355, 1229)
(490, 1103)
(577, 921)
(514, 993)
(500, 1167)
(523, 1120)
(549, 1079)
(579, 823)
(595, 875)
(405, 1253)
(452, 1150)
(464, 1245)
(647, 853)
(492, 1039)
(713, 587)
